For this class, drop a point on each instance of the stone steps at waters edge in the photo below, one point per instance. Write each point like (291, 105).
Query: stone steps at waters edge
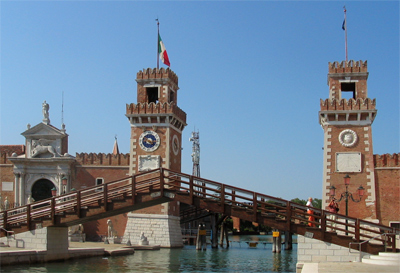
(384, 258)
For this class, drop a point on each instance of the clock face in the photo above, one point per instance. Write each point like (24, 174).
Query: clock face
(175, 145)
(149, 141)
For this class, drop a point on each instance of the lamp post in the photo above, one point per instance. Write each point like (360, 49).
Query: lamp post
(347, 195)
(54, 191)
(64, 181)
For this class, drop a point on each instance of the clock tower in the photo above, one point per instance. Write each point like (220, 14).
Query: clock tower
(346, 118)
(156, 136)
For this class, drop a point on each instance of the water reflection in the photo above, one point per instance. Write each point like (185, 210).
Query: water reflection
(238, 258)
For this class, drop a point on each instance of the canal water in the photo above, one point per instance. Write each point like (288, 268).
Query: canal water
(239, 257)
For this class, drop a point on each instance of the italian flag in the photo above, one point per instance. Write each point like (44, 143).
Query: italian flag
(162, 51)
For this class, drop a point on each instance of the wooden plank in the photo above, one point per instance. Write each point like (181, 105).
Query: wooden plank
(191, 195)
(28, 217)
(53, 210)
(105, 196)
(78, 204)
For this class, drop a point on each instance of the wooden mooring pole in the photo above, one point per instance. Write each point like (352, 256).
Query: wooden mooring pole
(201, 237)
(276, 241)
(288, 240)
(214, 230)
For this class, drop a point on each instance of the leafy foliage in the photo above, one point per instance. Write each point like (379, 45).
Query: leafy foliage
(317, 203)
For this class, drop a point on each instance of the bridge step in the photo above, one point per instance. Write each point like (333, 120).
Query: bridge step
(384, 258)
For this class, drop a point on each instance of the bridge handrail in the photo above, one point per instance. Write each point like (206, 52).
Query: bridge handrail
(370, 239)
(356, 226)
(8, 237)
(164, 179)
(234, 190)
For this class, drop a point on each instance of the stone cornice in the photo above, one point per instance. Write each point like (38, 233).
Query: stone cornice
(101, 167)
(35, 161)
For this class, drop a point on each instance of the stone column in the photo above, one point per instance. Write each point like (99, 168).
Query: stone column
(17, 187)
(59, 184)
(22, 186)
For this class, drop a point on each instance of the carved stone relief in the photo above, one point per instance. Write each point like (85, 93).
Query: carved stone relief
(149, 162)
(348, 138)
(43, 146)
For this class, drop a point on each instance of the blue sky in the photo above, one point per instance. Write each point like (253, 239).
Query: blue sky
(251, 76)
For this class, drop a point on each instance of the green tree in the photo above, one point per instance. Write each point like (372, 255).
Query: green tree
(317, 203)
(299, 201)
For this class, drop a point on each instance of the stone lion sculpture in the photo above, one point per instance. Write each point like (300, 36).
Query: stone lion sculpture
(42, 146)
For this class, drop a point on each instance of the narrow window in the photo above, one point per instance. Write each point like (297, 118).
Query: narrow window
(152, 94)
(348, 90)
(99, 181)
(171, 96)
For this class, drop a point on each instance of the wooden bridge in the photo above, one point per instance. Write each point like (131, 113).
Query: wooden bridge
(163, 185)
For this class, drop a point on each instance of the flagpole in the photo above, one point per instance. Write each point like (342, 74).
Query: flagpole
(158, 43)
(345, 30)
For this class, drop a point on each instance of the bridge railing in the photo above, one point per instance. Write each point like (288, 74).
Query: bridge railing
(165, 179)
(268, 205)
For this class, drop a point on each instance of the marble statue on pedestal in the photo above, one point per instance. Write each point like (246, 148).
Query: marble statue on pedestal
(143, 240)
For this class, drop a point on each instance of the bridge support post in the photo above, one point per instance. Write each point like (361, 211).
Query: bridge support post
(276, 241)
(57, 243)
(288, 240)
(224, 235)
(221, 238)
(214, 230)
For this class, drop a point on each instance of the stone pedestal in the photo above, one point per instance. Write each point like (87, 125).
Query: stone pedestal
(163, 230)
(57, 243)
(77, 237)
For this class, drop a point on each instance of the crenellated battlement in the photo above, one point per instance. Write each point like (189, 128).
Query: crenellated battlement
(351, 104)
(102, 159)
(348, 67)
(4, 156)
(154, 73)
(387, 160)
(153, 108)
(7, 151)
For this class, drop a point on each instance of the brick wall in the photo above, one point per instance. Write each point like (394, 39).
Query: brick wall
(387, 177)
(366, 209)
(95, 229)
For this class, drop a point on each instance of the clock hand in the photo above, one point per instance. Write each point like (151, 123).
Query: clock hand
(148, 140)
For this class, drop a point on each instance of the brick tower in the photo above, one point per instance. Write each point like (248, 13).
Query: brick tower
(346, 118)
(156, 134)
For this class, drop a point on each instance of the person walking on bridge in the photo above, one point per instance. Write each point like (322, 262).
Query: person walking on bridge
(310, 213)
(333, 207)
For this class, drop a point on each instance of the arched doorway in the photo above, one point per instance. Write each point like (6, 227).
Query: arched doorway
(42, 189)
